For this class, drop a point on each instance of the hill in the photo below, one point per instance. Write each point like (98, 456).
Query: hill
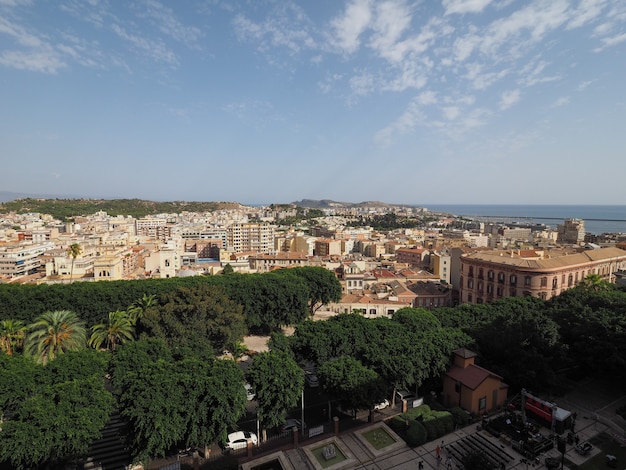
(67, 209)
(329, 204)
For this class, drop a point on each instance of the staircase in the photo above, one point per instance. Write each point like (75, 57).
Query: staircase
(108, 452)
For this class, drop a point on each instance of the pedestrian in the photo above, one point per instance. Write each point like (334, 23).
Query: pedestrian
(438, 451)
(421, 465)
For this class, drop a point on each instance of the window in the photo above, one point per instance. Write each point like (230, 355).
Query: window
(527, 280)
(501, 277)
(544, 282)
(570, 280)
(490, 275)
(471, 271)
(482, 404)
(470, 283)
(513, 279)
(480, 273)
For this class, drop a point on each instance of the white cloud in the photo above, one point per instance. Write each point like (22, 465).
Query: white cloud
(155, 49)
(412, 116)
(509, 98)
(532, 73)
(612, 41)
(584, 85)
(451, 112)
(464, 6)
(165, 20)
(349, 26)
(34, 61)
(587, 11)
(561, 102)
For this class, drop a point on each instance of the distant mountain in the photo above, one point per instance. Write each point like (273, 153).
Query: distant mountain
(329, 204)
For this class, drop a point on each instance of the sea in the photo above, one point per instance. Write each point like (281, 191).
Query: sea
(598, 219)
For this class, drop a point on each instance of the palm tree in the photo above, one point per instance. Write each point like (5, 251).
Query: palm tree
(120, 329)
(595, 282)
(54, 333)
(139, 308)
(73, 250)
(11, 335)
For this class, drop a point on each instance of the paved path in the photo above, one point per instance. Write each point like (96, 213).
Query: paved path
(595, 404)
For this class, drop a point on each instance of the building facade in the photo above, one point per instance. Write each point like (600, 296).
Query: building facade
(491, 275)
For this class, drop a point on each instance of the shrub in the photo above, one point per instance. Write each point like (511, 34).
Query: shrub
(416, 435)
(461, 418)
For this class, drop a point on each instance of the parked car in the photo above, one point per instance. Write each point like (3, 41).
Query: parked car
(584, 448)
(553, 463)
(291, 424)
(382, 405)
(250, 393)
(312, 380)
(239, 440)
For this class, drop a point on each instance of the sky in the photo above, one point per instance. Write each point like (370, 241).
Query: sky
(259, 101)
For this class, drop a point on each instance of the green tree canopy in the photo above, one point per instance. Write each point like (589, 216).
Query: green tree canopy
(54, 333)
(324, 287)
(278, 382)
(57, 410)
(190, 400)
(199, 318)
(119, 329)
(353, 384)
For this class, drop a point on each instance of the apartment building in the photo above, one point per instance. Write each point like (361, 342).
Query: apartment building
(440, 264)
(413, 256)
(22, 259)
(328, 247)
(571, 231)
(256, 237)
(264, 262)
(491, 275)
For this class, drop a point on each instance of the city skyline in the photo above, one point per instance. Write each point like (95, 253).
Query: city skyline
(458, 101)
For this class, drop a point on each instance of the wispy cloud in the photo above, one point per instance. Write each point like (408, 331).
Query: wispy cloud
(34, 53)
(155, 49)
(348, 27)
(165, 20)
(464, 6)
(286, 28)
(509, 98)
(564, 100)
(611, 41)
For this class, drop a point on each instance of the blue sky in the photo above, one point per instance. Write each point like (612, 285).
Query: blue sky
(451, 101)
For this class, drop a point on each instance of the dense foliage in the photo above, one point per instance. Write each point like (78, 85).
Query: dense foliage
(269, 300)
(55, 412)
(189, 399)
(64, 209)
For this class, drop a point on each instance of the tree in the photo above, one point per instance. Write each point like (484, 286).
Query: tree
(139, 308)
(54, 333)
(324, 287)
(278, 382)
(517, 339)
(353, 384)
(59, 422)
(19, 378)
(174, 400)
(73, 251)
(53, 412)
(199, 318)
(119, 329)
(595, 282)
(12, 334)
